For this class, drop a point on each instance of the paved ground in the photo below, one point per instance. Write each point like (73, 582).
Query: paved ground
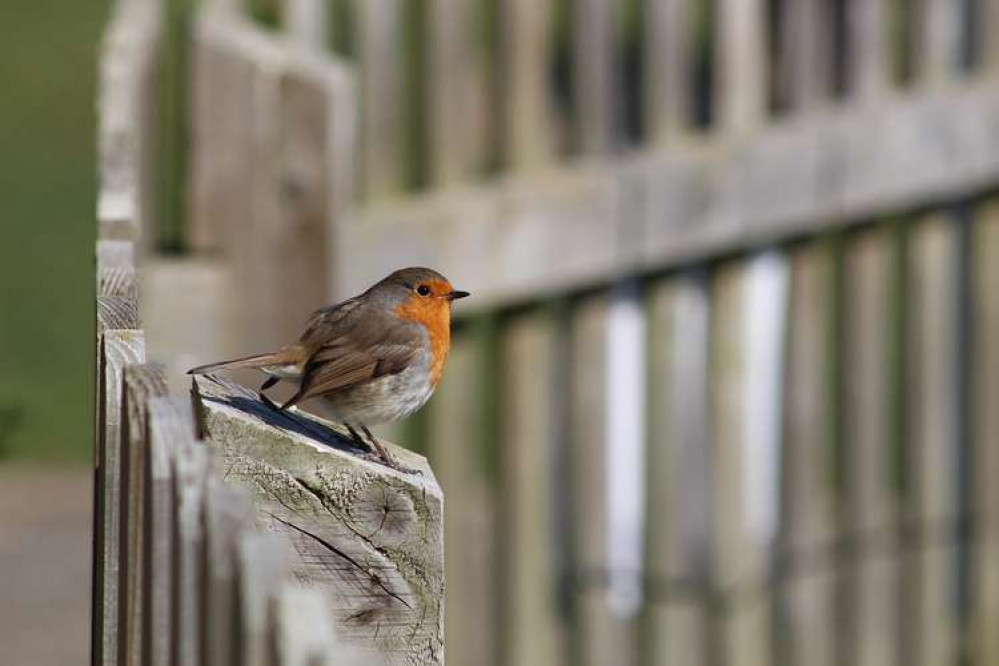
(44, 565)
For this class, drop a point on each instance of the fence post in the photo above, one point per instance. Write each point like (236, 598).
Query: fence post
(368, 537)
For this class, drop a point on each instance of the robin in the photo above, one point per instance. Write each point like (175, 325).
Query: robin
(373, 358)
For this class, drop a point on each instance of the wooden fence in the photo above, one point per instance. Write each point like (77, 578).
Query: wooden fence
(724, 393)
(226, 533)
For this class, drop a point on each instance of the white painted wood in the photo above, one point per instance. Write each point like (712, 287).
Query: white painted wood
(740, 83)
(305, 22)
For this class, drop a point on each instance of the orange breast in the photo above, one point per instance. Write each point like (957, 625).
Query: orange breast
(435, 316)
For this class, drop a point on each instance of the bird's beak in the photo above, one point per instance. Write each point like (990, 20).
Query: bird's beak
(455, 295)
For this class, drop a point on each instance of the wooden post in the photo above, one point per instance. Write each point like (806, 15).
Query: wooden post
(456, 449)
(938, 40)
(679, 500)
(740, 84)
(805, 73)
(263, 561)
(932, 451)
(594, 75)
(272, 175)
(382, 99)
(449, 77)
(870, 504)
(532, 631)
(869, 54)
(985, 453)
(808, 492)
(191, 466)
(526, 123)
(667, 68)
(305, 23)
(368, 537)
(606, 634)
(141, 382)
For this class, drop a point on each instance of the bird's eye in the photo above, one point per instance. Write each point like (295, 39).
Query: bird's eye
(423, 290)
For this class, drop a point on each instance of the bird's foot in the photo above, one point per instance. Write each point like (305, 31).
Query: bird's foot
(379, 453)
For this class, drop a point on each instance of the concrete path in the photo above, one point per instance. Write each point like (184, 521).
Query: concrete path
(45, 524)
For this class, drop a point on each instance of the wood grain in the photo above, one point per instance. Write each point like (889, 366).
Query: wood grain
(367, 536)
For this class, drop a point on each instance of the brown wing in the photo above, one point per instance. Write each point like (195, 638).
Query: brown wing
(348, 349)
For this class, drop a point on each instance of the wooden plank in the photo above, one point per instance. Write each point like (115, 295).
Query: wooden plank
(126, 135)
(748, 330)
(610, 589)
(263, 565)
(805, 65)
(170, 420)
(305, 23)
(933, 449)
(456, 453)
(985, 31)
(191, 467)
(379, 52)
(508, 244)
(808, 515)
(939, 40)
(594, 75)
(368, 536)
(985, 455)
(740, 77)
(228, 514)
(868, 56)
(667, 68)
(679, 484)
(277, 214)
(870, 505)
(531, 628)
(118, 349)
(140, 383)
(450, 89)
(524, 52)
(116, 286)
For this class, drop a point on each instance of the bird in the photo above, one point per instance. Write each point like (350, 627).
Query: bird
(373, 358)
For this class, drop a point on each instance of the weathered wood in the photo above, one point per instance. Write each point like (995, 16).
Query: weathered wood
(525, 117)
(369, 537)
(870, 505)
(868, 56)
(270, 189)
(170, 420)
(140, 383)
(808, 519)
(805, 65)
(939, 40)
(531, 238)
(263, 566)
(228, 513)
(679, 499)
(116, 286)
(379, 53)
(127, 100)
(451, 106)
(747, 330)
(985, 30)
(117, 349)
(191, 468)
(667, 69)
(740, 77)
(932, 446)
(985, 433)
(456, 451)
(305, 22)
(594, 75)
(531, 628)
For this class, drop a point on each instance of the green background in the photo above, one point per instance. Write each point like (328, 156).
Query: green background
(47, 160)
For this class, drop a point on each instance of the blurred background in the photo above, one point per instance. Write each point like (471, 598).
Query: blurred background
(725, 391)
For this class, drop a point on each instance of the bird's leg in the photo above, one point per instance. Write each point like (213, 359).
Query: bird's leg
(269, 382)
(387, 458)
(356, 436)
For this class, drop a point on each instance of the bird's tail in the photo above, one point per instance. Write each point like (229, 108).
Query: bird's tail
(278, 358)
